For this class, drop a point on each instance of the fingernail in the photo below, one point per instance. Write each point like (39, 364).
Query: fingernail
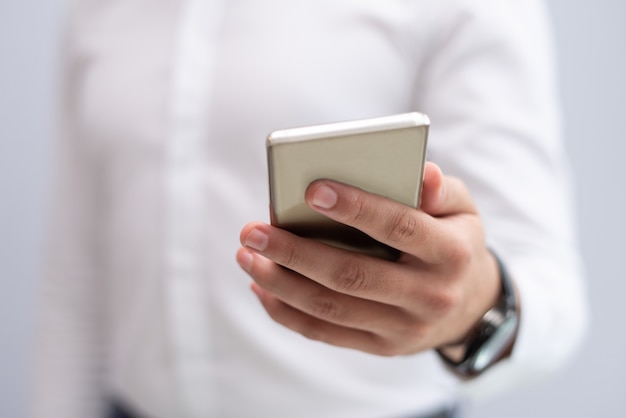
(257, 240)
(245, 259)
(324, 197)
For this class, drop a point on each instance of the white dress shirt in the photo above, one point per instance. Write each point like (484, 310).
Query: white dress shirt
(162, 161)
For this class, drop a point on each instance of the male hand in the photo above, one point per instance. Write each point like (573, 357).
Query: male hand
(443, 283)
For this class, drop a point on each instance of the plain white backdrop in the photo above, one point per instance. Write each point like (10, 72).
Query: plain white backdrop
(592, 55)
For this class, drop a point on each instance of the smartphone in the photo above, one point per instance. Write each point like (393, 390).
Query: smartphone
(382, 155)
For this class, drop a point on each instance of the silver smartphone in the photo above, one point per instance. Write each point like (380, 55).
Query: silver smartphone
(382, 155)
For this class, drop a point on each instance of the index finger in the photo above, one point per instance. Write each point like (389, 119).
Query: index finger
(407, 229)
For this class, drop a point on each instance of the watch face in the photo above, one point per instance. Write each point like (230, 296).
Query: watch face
(496, 344)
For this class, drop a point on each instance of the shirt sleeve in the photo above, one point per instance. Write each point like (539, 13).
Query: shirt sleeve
(69, 351)
(489, 88)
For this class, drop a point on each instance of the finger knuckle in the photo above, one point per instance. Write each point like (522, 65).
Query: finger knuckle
(358, 209)
(269, 282)
(324, 307)
(351, 276)
(460, 254)
(401, 227)
(413, 330)
(268, 278)
(290, 256)
(443, 301)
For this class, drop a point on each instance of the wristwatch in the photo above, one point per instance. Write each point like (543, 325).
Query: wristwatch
(492, 336)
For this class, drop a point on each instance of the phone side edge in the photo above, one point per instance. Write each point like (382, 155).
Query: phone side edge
(353, 127)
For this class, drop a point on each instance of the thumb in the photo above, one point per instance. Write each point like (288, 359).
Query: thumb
(444, 195)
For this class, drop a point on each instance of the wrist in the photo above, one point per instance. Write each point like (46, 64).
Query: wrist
(491, 338)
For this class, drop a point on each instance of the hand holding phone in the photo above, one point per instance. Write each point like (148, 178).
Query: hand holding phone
(384, 156)
(444, 283)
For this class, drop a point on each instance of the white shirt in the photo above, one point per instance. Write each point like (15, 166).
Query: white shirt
(163, 161)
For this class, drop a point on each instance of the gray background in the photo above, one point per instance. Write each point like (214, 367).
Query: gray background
(590, 37)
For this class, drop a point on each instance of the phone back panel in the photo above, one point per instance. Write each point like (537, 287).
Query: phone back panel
(384, 156)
